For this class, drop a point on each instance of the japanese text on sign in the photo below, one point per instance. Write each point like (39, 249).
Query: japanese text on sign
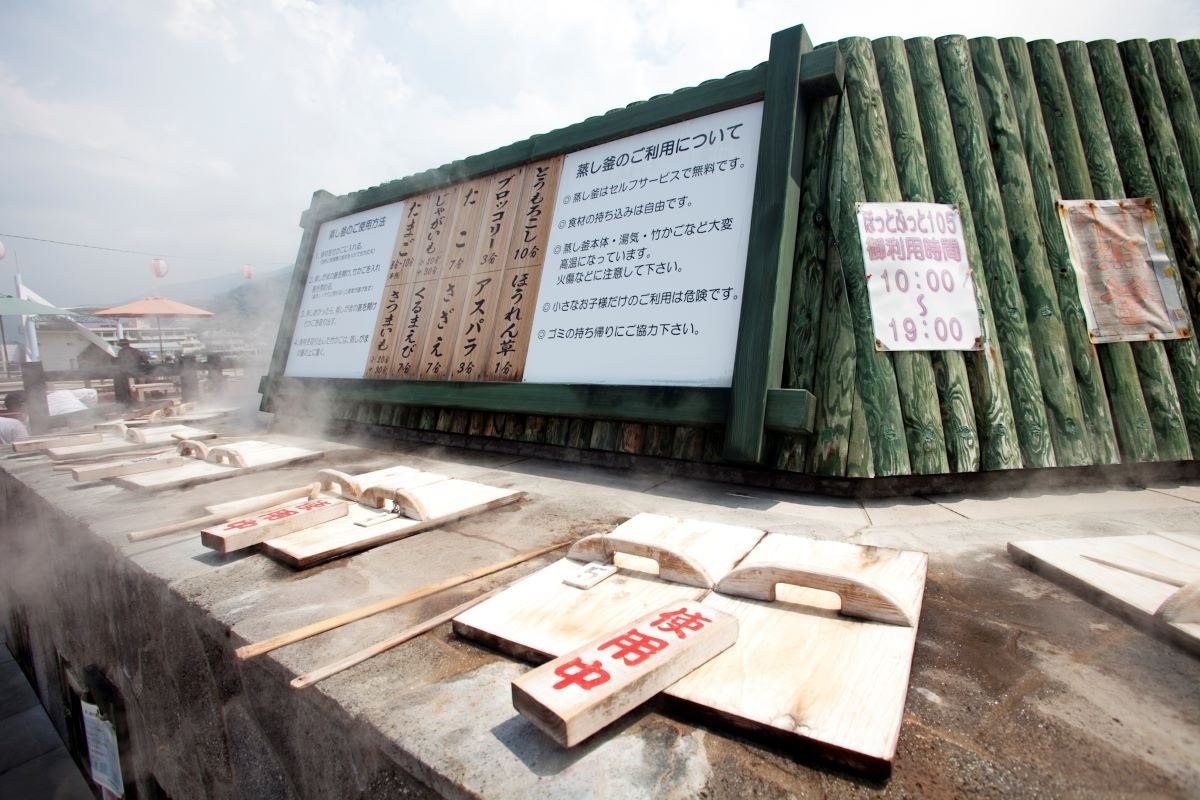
(342, 294)
(630, 648)
(1126, 280)
(918, 278)
(640, 223)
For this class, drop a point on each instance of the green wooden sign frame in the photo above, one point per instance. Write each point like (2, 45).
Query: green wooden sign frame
(754, 402)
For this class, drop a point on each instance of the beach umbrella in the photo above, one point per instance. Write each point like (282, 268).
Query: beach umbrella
(157, 307)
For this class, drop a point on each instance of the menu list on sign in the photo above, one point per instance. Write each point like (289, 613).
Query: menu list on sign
(918, 279)
(342, 294)
(647, 257)
(620, 264)
(458, 300)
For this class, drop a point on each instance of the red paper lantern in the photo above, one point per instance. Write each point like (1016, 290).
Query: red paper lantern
(159, 267)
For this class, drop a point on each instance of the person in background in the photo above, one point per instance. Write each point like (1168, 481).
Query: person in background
(129, 364)
(13, 427)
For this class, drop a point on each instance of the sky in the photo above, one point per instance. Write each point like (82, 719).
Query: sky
(197, 130)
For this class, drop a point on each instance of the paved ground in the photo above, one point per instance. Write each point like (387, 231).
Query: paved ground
(34, 763)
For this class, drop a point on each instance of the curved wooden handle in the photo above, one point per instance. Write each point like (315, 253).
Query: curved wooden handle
(672, 566)
(225, 454)
(190, 447)
(858, 599)
(348, 486)
(405, 501)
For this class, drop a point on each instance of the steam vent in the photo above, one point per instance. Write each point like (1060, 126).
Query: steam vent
(826, 429)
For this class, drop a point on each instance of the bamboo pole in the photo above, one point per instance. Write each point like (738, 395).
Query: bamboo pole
(915, 185)
(1086, 168)
(1138, 164)
(999, 448)
(1068, 429)
(333, 668)
(919, 408)
(1089, 381)
(996, 255)
(345, 618)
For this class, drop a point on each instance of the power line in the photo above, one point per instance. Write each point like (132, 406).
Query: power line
(113, 249)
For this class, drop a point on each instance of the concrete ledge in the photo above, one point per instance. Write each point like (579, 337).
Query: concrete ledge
(1018, 688)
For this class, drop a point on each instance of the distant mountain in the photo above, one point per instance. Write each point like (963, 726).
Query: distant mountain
(250, 310)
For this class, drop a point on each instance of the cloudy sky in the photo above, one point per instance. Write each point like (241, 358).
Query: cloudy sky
(197, 130)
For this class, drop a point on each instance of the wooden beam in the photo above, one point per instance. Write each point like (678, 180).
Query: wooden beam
(758, 365)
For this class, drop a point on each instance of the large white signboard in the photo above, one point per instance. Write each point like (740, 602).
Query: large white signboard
(341, 298)
(918, 279)
(643, 276)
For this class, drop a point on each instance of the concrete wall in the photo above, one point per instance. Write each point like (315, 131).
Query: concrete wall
(201, 724)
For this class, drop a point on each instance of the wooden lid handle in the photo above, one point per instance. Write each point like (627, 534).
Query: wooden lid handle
(672, 566)
(405, 501)
(190, 447)
(347, 485)
(226, 454)
(859, 599)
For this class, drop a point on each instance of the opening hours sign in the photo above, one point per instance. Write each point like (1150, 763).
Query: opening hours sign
(918, 278)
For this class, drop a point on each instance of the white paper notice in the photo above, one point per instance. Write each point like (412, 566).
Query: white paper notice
(102, 750)
(918, 277)
(643, 277)
(341, 297)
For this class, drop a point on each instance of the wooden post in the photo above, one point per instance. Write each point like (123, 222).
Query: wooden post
(913, 181)
(758, 365)
(33, 378)
(189, 379)
(999, 448)
(1086, 167)
(996, 255)
(1138, 163)
(1046, 192)
(1068, 430)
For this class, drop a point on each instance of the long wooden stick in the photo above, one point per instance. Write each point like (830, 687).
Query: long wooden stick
(241, 508)
(299, 634)
(321, 673)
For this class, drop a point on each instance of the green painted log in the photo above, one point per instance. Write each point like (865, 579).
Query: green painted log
(1189, 53)
(999, 448)
(920, 412)
(996, 264)
(912, 172)
(874, 375)
(1181, 105)
(1138, 167)
(802, 353)
(1087, 167)
(1089, 381)
(860, 460)
(1166, 161)
(1068, 428)
(834, 380)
